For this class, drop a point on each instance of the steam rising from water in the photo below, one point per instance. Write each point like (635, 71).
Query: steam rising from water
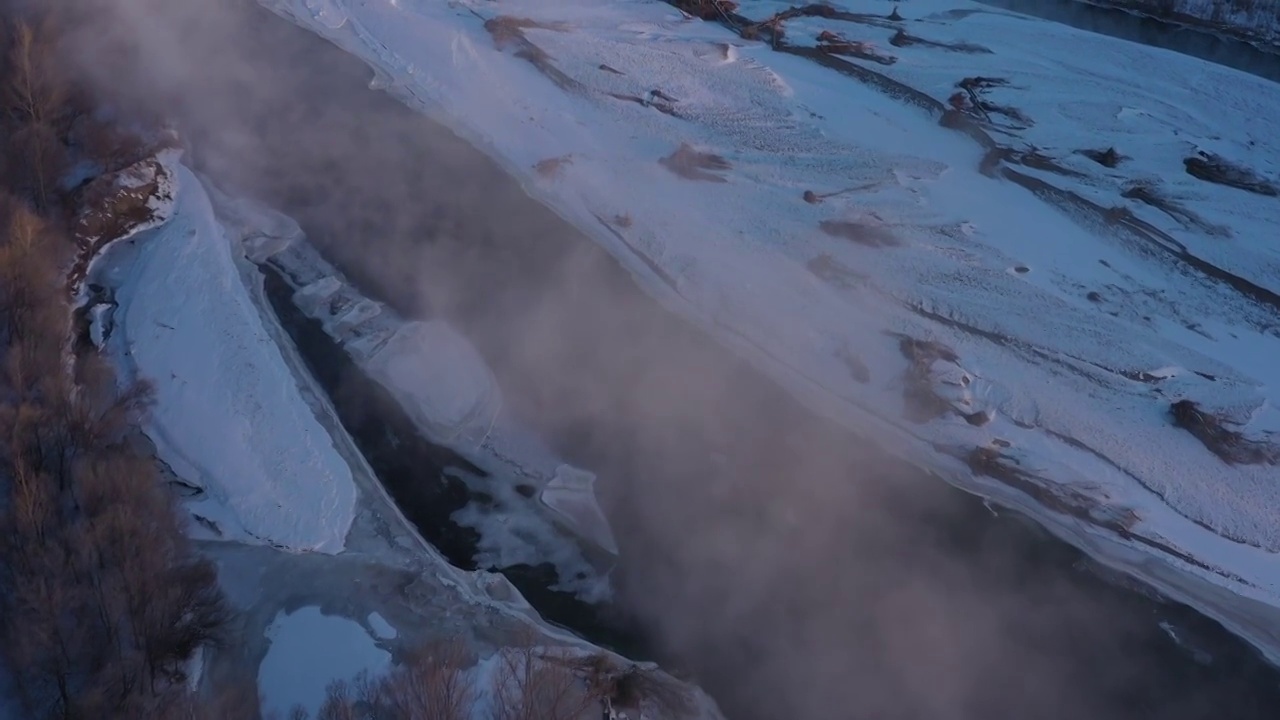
(799, 573)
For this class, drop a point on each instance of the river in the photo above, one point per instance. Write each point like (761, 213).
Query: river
(787, 565)
(1219, 49)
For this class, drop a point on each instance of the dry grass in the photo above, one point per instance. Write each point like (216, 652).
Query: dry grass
(534, 683)
(1217, 169)
(861, 233)
(1229, 445)
(707, 9)
(551, 167)
(431, 684)
(693, 164)
(836, 44)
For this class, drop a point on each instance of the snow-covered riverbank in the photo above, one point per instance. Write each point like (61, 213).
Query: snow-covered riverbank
(1046, 339)
(302, 530)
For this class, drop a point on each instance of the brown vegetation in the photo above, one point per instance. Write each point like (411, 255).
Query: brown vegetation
(922, 403)
(861, 233)
(1229, 445)
(1217, 169)
(550, 167)
(836, 44)
(1109, 158)
(529, 683)
(707, 9)
(1149, 195)
(102, 599)
(693, 164)
(902, 39)
(525, 682)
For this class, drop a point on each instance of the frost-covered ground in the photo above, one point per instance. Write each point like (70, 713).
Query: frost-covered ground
(987, 299)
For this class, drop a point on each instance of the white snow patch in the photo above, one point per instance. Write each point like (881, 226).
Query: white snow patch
(229, 416)
(571, 494)
(438, 378)
(382, 629)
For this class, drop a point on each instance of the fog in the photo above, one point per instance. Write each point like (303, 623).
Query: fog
(794, 570)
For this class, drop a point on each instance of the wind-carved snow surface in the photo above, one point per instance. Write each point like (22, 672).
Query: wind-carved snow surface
(229, 417)
(827, 227)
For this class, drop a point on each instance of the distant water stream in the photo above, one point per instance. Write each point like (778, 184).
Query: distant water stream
(1199, 43)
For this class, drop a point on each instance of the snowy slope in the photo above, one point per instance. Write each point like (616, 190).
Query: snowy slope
(1023, 331)
(228, 415)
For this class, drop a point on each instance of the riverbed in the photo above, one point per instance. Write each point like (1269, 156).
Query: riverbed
(792, 568)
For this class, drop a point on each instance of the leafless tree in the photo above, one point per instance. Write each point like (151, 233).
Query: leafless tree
(536, 683)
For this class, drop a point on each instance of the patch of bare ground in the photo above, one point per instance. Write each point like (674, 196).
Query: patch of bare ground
(1108, 158)
(706, 9)
(1216, 435)
(530, 683)
(861, 233)
(655, 99)
(814, 198)
(903, 39)
(1217, 169)
(1144, 234)
(508, 32)
(692, 164)
(832, 271)
(836, 44)
(551, 167)
(991, 462)
(113, 205)
(972, 100)
(1031, 157)
(772, 28)
(921, 402)
(1148, 195)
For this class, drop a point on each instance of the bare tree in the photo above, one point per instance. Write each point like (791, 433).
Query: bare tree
(536, 683)
(35, 92)
(37, 100)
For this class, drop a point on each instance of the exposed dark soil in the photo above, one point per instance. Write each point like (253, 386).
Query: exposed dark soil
(836, 44)
(1216, 435)
(861, 233)
(1148, 195)
(903, 39)
(692, 164)
(509, 33)
(1108, 158)
(922, 403)
(109, 211)
(1216, 169)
